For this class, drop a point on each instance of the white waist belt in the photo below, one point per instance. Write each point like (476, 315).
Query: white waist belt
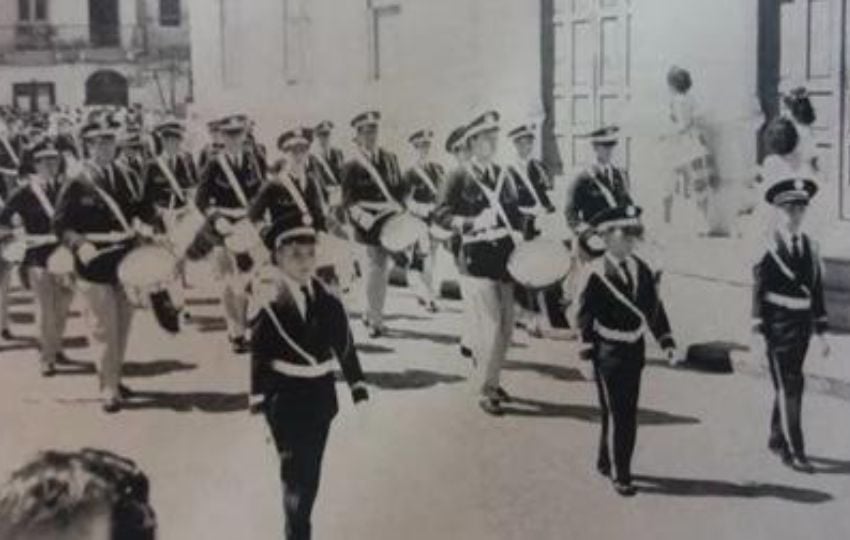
(304, 371)
(108, 237)
(35, 240)
(229, 212)
(486, 236)
(376, 206)
(623, 336)
(788, 302)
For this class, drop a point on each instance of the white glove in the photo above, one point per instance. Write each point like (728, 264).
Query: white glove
(673, 357)
(825, 347)
(487, 219)
(144, 230)
(367, 220)
(222, 226)
(86, 252)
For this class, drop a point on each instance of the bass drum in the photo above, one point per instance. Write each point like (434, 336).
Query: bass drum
(183, 227)
(61, 261)
(402, 231)
(147, 267)
(539, 263)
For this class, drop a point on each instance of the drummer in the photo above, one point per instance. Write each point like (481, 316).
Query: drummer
(214, 146)
(131, 155)
(470, 206)
(297, 187)
(30, 209)
(326, 158)
(171, 175)
(423, 181)
(94, 216)
(538, 310)
(228, 183)
(372, 188)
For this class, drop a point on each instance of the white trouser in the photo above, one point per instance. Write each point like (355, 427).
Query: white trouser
(491, 314)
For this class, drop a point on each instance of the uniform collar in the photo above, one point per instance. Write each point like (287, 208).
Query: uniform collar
(786, 236)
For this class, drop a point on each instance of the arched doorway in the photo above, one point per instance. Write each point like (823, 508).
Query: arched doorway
(106, 87)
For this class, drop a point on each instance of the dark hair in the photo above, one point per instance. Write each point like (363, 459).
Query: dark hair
(679, 79)
(781, 137)
(800, 105)
(57, 489)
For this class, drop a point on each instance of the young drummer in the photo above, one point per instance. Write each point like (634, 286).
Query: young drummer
(618, 306)
(788, 307)
(298, 330)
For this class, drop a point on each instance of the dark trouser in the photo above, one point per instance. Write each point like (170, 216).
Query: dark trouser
(787, 344)
(618, 372)
(301, 445)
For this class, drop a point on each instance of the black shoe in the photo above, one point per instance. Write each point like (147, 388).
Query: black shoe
(377, 331)
(48, 369)
(782, 451)
(7, 334)
(603, 466)
(165, 312)
(465, 351)
(802, 464)
(491, 406)
(239, 344)
(62, 359)
(125, 392)
(503, 395)
(432, 307)
(624, 489)
(111, 406)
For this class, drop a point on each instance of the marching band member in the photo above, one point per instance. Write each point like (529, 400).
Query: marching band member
(94, 217)
(456, 146)
(169, 177)
(480, 203)
(532, 183)
(618, 306)
(326, 158)
(131, 155)
(296, 187)
(788, 308)
(215, 145)
(9, 164)
(372, 189)
(298, 329)
(31, 209)
(229, 182)
(423, 183)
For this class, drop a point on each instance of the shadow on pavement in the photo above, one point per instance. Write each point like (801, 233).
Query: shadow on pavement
(435, 337)
(209, 402)
(691, 487)
(371, 348)
(209, 323)
(410, 379)
(588, 413)
(560, 373)
(156, 368)
(830, 465)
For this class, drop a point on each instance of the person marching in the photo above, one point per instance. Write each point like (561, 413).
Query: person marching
(94, 218)
(131, 154)
(618, 306)
(788, 308)
(296, 186)
(215, 145)
(480, 203)
(372, 189)
(298, 330)
(170, 176)
(29, 212)
(423, 183)
(326, 159)
(10, 163)
(532, 183)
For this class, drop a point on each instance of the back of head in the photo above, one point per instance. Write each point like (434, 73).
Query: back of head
(781, 136)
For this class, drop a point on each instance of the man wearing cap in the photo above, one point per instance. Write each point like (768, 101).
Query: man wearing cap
(599, 187)
(228, 184)
(297, 187)
(372, 190)
(326, 158)
(94, 218)
(424, 180)
(215, 145)
(480, 203)
(28, 217)
(543, 309)
(788, 309)
(171, 175)
(619, 307)
(298, 330)
(131, 158)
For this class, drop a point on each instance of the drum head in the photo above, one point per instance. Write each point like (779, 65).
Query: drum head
(540, 263)
(61, 261)
(14, 251)
(147, 266)
(402, 231)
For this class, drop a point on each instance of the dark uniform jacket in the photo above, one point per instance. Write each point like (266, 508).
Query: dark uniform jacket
(214, 191)
(10, 162)
(273, 200)
(82, 214)
(420, 190)
(157, 188)
(329, 166)
(359, 186)
(483, 253)
(34, 218)
(611, 317)
(786, 289)
(207, 155)
(280, 367)
(590, 193)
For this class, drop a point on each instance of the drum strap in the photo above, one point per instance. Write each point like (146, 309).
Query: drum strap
(112, 205)
(10, 150)
(521, 172)
(327, 168)
(286, 337)
(231, 179)
(375, 176)
(620, 296)
(128, 179)
(172, 181)
(787, 271)
(295, 193)
(425, 178)
(41, 196)
(609, 196)
(493, 195)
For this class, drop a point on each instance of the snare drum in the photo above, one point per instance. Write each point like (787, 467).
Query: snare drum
(183, 226)
(539, 263)
(401, 231)
(14, 250)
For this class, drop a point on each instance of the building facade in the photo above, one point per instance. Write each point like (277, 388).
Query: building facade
(74, 52)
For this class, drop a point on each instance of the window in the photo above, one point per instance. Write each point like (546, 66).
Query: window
(32, 11)
(296, 32)
(169, 13)
(386, 57)
(34, 96)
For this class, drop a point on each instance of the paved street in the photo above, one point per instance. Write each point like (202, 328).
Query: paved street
(423, 461)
